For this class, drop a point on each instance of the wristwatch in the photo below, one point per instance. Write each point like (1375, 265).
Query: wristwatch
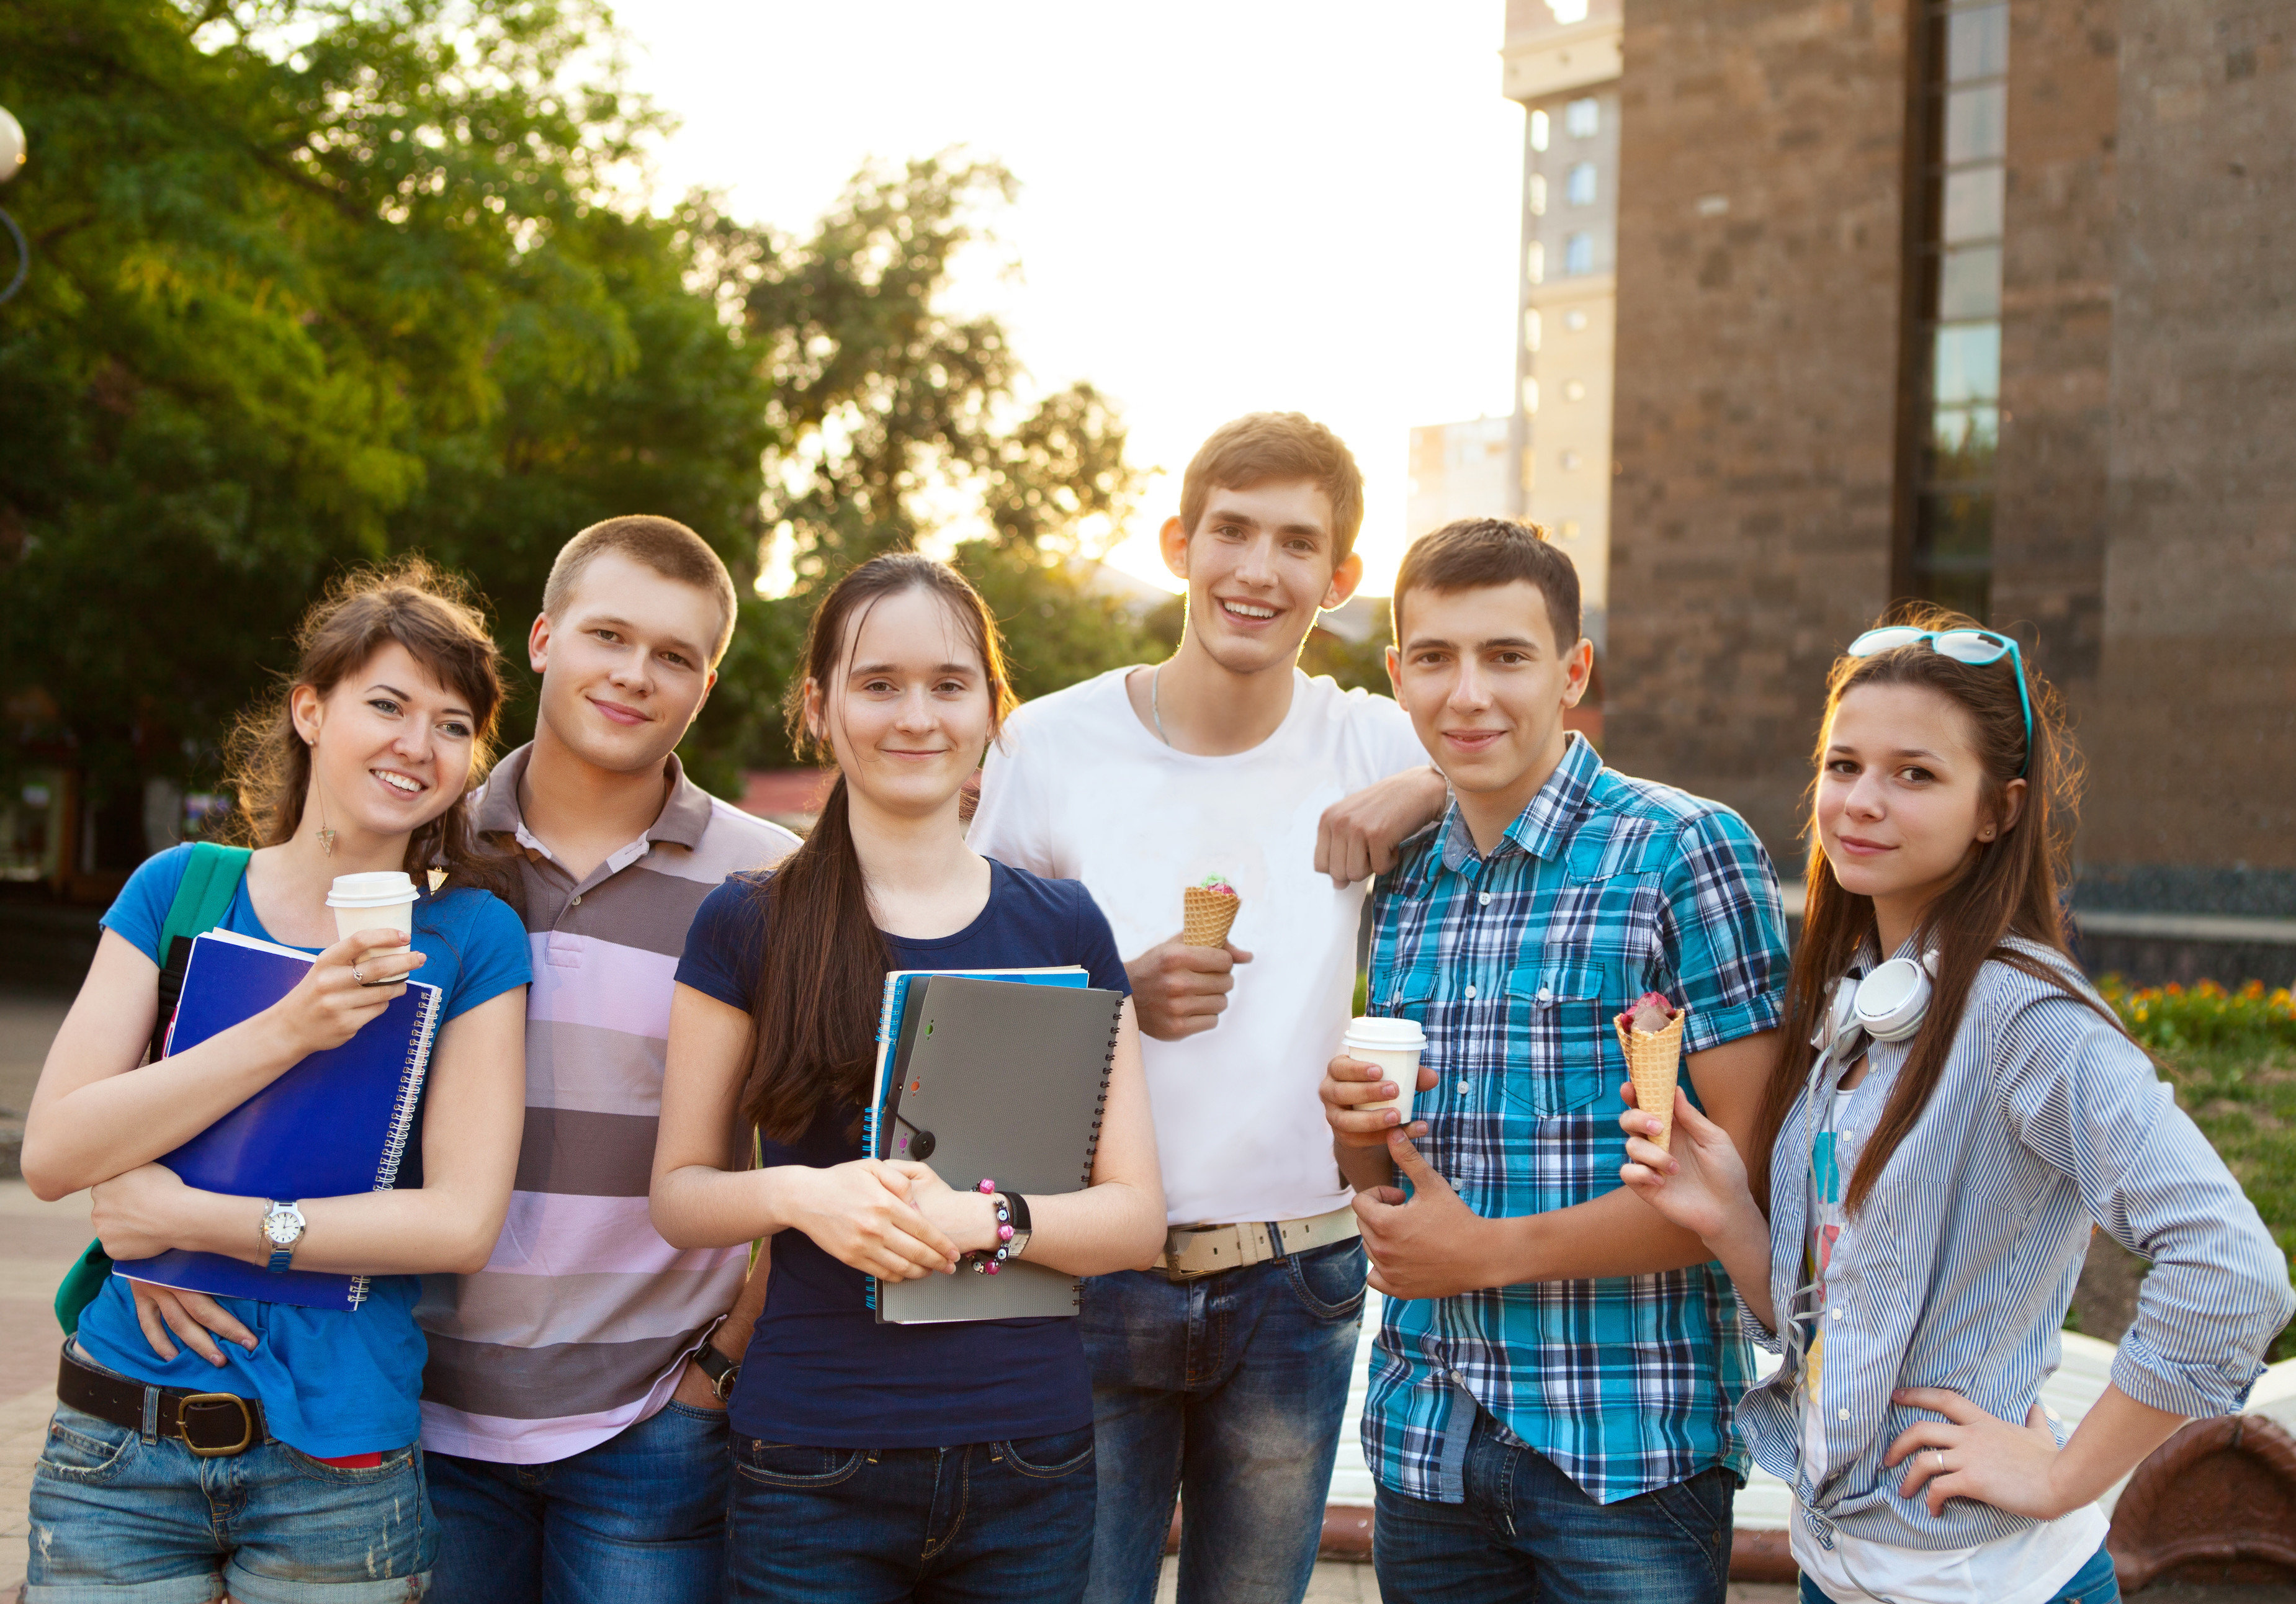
(722, 1372)
(282, 1228)
(1022, 1230)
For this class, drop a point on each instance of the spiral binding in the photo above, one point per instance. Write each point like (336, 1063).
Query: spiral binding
(402, 1116)
(1099, 1103)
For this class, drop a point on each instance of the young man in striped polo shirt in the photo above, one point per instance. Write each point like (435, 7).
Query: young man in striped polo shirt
(1552, 1387)
(571, 1423)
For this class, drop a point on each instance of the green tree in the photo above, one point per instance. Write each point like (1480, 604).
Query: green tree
(314, 283)
(319, 280)
(897, 418)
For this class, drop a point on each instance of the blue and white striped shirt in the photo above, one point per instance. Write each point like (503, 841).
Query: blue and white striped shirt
(1957, 1270)
(1515, 964)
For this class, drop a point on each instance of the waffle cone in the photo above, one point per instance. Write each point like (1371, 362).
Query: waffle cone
(1654, 1062)
(1206, 916)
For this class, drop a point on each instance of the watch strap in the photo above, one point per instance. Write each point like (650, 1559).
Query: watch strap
(282, 1254)
(722, 1372)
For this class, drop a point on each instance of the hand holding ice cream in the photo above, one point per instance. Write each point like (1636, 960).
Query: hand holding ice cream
(1209, 909)
(1649, 1034)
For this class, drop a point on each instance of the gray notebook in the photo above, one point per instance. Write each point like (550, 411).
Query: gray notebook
(1001, 1080)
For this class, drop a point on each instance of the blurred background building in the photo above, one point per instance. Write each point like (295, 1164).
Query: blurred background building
(1980, 302)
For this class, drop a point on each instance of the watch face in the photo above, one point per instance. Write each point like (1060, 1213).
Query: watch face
(281, 1229)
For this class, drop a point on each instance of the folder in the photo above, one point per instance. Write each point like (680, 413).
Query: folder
(335, 1123)
(996, 1075)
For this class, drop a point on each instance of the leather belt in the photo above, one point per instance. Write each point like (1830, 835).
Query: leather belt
(1196, 1250)
(212, 1425)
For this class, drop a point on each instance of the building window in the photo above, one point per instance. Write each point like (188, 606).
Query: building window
(1569, 528)
(1965, 60)
(1534, 262)
(1577, 255)
(1575, 319)
(1581, 189)
(1536, 192)
(1531, 330)
(1573, 390)
(1530, 397)
(1583, 118)
(1539, 130)
(1569, 460)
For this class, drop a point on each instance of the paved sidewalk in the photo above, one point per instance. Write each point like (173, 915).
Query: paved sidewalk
(38, 1241)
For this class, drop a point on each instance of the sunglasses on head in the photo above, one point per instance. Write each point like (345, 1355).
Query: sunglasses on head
(1974, 647)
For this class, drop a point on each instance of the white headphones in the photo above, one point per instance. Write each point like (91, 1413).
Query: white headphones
(1887, 1003)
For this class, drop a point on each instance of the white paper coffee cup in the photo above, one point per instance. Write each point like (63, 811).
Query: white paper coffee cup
(1394, 1046)
(382, 901)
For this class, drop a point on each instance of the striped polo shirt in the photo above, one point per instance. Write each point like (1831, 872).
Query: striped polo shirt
(582, 1320)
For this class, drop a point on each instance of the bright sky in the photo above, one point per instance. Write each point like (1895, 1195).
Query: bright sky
(1304, 204)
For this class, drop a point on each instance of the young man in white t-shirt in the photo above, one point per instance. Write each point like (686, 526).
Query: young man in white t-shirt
(1223, 1374)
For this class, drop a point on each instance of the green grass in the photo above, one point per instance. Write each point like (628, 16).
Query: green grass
(2243, 1098)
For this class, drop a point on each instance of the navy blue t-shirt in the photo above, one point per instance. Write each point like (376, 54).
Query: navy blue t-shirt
(820, 1370)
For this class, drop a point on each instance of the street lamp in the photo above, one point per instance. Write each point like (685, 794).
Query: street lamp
(11, 158)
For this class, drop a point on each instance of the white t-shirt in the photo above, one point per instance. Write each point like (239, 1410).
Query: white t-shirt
(2031, 1566)
(1079, 788)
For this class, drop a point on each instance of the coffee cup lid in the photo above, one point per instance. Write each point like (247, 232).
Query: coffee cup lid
(1375, 1032)
(379, 889)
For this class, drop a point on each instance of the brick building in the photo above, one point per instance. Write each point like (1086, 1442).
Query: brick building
(1986, 302)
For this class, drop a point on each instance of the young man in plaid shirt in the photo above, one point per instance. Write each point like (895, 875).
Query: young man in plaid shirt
(1552, 1387)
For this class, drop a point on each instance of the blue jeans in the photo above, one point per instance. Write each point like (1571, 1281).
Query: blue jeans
(2095, 1583)
(981, 1523)
(642, 1516)
(1228, 1391)
(116, 1520)
(1527, 1530)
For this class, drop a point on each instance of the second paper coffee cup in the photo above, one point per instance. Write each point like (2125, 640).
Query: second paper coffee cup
(1394, 1045)
(373, 901)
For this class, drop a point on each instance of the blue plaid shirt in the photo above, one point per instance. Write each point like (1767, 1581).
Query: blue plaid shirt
(1515, 964)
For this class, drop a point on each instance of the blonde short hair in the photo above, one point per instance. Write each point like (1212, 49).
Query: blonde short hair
(663, 544)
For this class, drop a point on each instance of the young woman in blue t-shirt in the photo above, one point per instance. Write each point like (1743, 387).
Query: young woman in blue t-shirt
(923, 1461)
(361, 765)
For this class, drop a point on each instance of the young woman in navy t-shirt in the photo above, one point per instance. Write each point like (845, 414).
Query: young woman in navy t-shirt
(875, 1461)
(292, 1472)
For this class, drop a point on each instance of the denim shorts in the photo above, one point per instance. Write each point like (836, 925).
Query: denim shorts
(116, 1520)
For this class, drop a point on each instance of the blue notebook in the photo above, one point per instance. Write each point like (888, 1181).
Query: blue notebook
(336, 1124)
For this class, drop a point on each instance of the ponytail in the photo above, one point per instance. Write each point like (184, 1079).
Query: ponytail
(815, 1032)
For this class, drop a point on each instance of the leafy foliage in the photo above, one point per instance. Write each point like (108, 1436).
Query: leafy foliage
(315, 285)
(320, 281)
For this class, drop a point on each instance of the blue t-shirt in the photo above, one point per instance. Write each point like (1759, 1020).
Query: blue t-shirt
(820, 1370)
(334, 1382)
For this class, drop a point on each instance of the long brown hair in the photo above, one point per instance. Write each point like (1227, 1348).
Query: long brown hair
(430, 612)
(2008, 887)
(822, 973)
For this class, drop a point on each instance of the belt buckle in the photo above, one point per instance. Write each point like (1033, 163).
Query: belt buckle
(207, 1401)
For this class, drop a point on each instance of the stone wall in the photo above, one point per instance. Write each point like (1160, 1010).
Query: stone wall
(2056, 337)
(2193, 745)
(1759, 293)
(2146, 523)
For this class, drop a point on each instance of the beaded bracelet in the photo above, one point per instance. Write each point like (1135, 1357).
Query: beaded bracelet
(989, 1261)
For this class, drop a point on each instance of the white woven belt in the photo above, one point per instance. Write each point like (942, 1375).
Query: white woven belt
(1193, 1250)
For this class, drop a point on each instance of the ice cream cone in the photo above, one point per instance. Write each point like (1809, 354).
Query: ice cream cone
(1206, 916)
(1654, 1061)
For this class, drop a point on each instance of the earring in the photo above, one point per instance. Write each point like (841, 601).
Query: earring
(326, 836)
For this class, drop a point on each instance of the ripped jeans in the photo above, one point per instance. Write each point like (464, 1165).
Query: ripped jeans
(114, 1518)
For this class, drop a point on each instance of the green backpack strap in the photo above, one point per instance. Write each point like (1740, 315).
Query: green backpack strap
(210, 881)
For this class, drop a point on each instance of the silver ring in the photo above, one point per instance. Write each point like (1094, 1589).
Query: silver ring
(357, 976)
(1940, 1459)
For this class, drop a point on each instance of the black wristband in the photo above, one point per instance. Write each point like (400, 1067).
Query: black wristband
(1019, 1211)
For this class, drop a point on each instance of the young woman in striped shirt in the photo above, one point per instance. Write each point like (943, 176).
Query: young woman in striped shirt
(1953, 1109)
